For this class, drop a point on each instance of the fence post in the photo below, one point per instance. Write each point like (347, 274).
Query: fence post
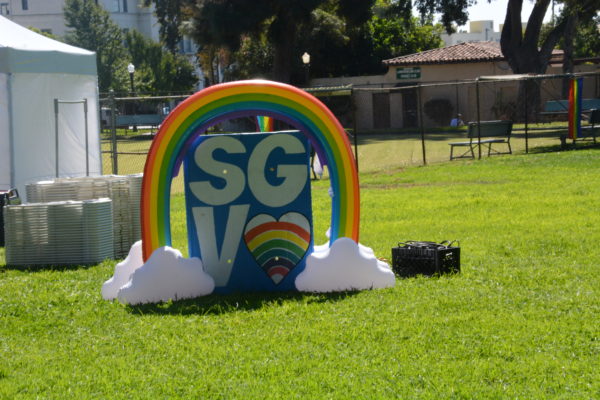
(478, 119)
(113, 129)
(457, 106)
(526, 117)
(353, 105)
(422, 129)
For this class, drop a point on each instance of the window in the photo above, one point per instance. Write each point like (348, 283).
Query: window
(115, 6)
(124, 5)
(4, 9)
(24, 5)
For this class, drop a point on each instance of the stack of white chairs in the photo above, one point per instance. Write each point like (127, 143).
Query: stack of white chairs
(59, 232)
(124, 191)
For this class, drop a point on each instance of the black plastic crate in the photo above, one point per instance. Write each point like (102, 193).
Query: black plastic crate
(412, 258)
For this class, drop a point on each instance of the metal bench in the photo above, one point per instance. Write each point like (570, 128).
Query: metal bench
(588, 132)
(138, 120)
(561, 107)
(487, 133)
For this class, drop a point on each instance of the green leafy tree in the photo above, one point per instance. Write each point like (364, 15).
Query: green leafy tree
(587, 39)
(158, 70)
(171, 15)
(226, 22)
(253, 60)
(393, 37)
(46, 34)
(581, 39)
(93, 29)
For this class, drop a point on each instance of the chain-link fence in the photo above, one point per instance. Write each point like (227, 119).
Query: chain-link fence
(413, 124)
(390, 126)
(128, 125)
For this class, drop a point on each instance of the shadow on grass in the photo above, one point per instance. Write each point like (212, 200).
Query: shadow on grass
(44, 268)
(367, 138)
(216, 304)
(568, 147)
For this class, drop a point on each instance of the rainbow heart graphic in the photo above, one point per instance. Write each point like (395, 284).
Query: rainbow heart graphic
(278, 245)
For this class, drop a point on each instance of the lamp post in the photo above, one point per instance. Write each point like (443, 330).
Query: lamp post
(306, 62)
(131, 70)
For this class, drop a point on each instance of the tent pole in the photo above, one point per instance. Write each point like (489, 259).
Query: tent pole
(113, 130)
(56, 133)
(87, 155)
(11, 131)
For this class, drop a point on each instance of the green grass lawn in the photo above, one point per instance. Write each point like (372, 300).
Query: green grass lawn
(520, 321)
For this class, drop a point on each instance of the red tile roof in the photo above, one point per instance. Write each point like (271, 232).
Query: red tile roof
(460, 53)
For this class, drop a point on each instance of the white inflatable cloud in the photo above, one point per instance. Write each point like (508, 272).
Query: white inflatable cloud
(167, 275)
(123, 272)
(344, 266)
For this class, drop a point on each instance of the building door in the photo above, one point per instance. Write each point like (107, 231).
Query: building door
(381, 110)
(410, 112)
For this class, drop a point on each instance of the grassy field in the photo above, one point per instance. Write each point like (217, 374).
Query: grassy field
(519, 321)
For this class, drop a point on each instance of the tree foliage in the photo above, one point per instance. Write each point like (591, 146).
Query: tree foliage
(341, 38)
(393, 37)
(587, 39)
(227, 22)
(93, 29)
(171, 15)
(158, 70)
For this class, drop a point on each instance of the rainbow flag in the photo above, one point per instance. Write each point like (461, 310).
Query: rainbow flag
(575, 90)
(264, 123)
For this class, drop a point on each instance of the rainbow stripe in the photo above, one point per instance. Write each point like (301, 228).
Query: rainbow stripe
(278, 246)
(575, 95)
(242, 99)
(264, 123)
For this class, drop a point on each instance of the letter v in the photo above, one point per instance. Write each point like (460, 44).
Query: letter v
(219, 265)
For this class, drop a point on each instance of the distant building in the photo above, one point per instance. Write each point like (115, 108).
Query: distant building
(48, 16)
(479, 31)
(390, 101)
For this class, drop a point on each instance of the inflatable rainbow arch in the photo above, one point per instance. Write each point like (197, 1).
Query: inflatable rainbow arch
(238, 99)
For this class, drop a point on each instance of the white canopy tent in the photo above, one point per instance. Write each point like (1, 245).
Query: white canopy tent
(43, 86)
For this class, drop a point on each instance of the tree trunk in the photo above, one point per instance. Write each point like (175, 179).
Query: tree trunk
(283, 36)
(522, 53)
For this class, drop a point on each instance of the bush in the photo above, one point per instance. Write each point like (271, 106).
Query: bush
(439, 110)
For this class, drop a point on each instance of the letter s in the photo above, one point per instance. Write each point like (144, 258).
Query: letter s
(232, 174)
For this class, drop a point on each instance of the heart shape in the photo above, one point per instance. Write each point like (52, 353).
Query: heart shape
(278, 245)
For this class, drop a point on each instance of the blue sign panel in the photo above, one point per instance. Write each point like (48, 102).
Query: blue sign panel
(248, 206)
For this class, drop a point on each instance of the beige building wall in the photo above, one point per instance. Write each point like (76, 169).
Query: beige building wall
(494, 97)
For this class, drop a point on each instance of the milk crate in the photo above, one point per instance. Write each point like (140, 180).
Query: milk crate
(412, 258)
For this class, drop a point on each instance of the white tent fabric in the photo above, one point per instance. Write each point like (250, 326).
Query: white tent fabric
(34, 72)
